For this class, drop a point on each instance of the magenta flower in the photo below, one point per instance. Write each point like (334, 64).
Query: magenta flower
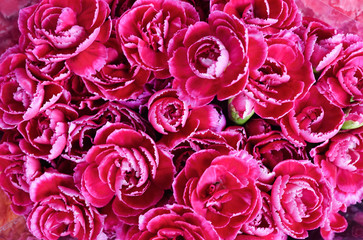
(222, 188)
(64, 30)
(146, 28)
(341, 161)
(313, 119)
(263, 225)
(209, 59)
(284, 77)
(301, 198)
(202, 118)
(23, 96)
(61, 211)
(340, 82)
(45, 135)
(117, 79)
(82, 131)
(166, 112)
(269, 16)
(273, 147)
(13, 177)
(231, 139)
(172, 222)
(124, 168)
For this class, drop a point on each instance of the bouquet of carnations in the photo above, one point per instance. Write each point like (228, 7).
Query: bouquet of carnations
(180, 119)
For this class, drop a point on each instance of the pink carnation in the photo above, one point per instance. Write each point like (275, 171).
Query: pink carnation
(59, 30)
(284, 77)
(62, 207)
(269, 16)
(96, 114)
(340, 82)
(210, 59)
(301, 198)
(341, 161)
(45, 135)
(222, 188)
(166, 112)
(172, 221)
(145, 31)
(313, 119)
(124, 168)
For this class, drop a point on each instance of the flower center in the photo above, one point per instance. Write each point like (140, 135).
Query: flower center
(309, 116)
(208, 58)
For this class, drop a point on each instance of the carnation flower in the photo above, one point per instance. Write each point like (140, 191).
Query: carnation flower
(269, 16)
(124, 168)
(166, 112)
(63, 208)
(172, 221)
(284, 77)
(340, 81)
(12, 179)
(340, 160)
(117, 79)
(63, 30)
(222, 188)
(210, 59)
(46, 134)
(313, 119)
(146, 28)
(23, 96)
(273, 147)
(96, 114)
(301, 198)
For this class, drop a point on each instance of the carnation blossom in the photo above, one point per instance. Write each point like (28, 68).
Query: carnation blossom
(269, 16)
(146, 29)
(227, 196)
(126, 169)
(75, 35)
(211, 59)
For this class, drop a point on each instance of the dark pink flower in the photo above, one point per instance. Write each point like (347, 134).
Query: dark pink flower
(317, 36)
(146, 29)
(124, 168)
(95, 114)
(284, 77)
(230, 139)
(117, 79)
(47, 71)
(166, 112)
(210, 59)
(172, 222)
(73, 31)
(301, 198)
(23, 97)
(340, 82)
(202, 118)
(46, 134)
(61, 211)
(222, 188)
(273, 147)
(341, 159)
(269, 16)
(313, 119)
